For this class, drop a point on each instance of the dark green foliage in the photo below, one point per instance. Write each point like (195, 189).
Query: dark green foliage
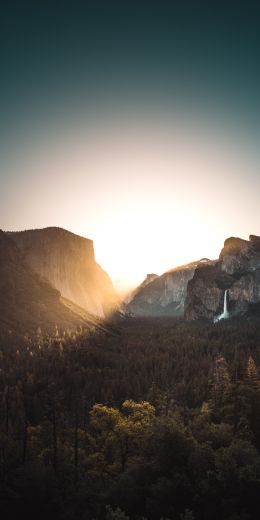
(161, 420)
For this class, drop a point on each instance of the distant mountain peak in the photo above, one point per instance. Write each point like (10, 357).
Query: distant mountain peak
(162, 295)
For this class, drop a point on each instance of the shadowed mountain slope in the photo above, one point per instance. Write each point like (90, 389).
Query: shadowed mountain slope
(67, 261)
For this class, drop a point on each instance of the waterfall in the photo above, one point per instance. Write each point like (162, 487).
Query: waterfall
(225, 314)
(225, 311)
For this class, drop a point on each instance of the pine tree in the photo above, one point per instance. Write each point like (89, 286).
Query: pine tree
(252, 374)
(253, 397)
(220, 387)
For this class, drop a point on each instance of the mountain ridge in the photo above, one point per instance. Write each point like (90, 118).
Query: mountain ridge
(165, 294)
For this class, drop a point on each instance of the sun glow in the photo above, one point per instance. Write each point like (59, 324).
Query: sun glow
(147, 240)
(151, 196)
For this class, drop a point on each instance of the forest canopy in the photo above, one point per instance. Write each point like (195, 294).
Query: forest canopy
(152, 419)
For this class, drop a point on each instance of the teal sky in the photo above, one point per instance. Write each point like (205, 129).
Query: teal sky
(133, 123)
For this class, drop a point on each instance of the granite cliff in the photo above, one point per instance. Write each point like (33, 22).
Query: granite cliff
(238, 271)
(163, 295)
(27, 301)
(67, 262)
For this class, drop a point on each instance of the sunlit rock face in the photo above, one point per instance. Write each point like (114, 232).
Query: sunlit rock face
(67, 261)
(27, 301)
(163, 295)
(238, 270)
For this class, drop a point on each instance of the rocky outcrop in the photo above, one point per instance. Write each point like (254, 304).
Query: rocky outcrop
(27, 301)
(238, 256)
(163, 295)
(205, 292)
(67, 261)
(237, 270)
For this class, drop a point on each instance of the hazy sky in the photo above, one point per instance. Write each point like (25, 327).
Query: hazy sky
(135, 124)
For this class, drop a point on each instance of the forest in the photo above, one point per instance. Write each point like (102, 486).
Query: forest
(149, 419)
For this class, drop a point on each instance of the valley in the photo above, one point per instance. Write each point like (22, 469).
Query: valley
(153, 417)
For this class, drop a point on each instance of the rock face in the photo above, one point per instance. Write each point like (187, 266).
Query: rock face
(163, 295)
(27, 301)
(67, 261)
(237, 270)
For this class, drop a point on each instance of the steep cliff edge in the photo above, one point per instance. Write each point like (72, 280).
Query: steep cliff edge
(237, 270)
(163, 295)
(67, 261)
(27, 301)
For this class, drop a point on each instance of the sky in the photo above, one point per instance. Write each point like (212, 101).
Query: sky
(133, 123)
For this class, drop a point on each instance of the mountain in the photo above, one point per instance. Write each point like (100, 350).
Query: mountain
(67, 261)
(131, 294)
(27, 301)
(237, 271)
(165, 294)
